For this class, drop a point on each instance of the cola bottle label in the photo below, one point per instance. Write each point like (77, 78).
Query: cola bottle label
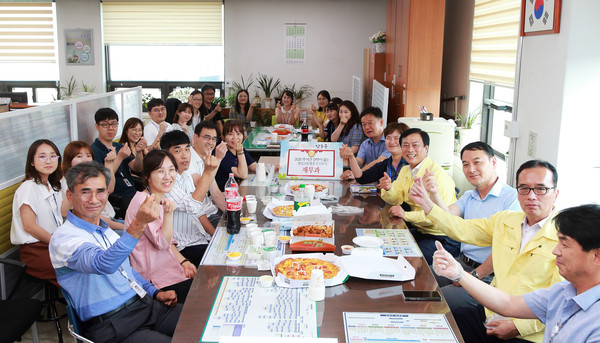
(235, 205)
(305, 130)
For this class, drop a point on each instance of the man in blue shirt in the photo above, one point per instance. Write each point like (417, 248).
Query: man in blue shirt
(372, 149)
(569, 309)
(107, 125)
(114, 303)
(489, 196)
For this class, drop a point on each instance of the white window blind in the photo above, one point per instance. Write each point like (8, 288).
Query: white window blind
(27, 32)
(129, 22)
(495, 40)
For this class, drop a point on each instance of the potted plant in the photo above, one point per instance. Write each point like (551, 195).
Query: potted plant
(466, 132)
(300, 93)
(268, 85)
(378, 39)
(257, 97)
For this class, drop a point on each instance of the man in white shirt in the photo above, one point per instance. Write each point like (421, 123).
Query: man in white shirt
(205, 139)
(192, 228)
(157, 126)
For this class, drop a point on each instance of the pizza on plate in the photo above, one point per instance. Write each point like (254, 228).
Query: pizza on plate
(300, 268)
(314, 231)
(282, 132)
(318, 188)
(283, 211)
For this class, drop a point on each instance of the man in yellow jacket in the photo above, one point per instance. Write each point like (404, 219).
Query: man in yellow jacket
(522, 244)
(415, 146)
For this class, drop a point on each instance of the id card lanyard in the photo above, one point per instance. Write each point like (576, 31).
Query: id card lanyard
(132, 283)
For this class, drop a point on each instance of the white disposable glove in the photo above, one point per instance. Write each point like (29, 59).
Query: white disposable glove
(445, 265)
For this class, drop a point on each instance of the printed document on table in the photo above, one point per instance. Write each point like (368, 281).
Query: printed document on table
(222, 243)
(395, 241)
(363, 327)
(244, 308)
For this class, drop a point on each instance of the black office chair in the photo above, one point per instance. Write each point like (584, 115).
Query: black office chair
(17, 315)
(74, 323)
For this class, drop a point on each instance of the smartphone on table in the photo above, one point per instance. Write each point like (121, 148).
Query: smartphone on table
(422, 295)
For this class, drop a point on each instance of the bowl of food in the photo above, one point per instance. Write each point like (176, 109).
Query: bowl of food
(266, 281)
(234, 255)
(285, 239)
(245, 220)
(347, 249)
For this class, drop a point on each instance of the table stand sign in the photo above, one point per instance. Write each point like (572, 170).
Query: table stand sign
(310, 160)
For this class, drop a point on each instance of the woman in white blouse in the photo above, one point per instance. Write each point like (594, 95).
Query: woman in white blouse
(36, 208)
(286, 111)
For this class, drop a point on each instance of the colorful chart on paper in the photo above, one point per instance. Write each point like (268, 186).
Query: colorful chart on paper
(395, 241)
(361, 327)
(244, 308)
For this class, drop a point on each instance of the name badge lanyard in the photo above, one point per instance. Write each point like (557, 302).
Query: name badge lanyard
(395, 170)
(132, 283)
(55, 209)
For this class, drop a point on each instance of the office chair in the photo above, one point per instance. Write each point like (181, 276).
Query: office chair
(74, 323)
(17, 315)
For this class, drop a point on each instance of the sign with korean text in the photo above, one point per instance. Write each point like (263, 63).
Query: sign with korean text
(310, 160)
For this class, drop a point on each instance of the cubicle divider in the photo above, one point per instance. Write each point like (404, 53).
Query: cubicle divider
(60, 122)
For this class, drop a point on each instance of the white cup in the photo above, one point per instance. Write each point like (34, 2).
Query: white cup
(251, 205)
(261, 173)
(309, 190)
(252, 124)
(257, 238)
(269, 238)
(274, 138)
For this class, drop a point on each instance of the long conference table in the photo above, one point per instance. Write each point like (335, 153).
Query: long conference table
(353, 295)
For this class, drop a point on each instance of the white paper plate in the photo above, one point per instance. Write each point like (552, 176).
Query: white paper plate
(368, 241)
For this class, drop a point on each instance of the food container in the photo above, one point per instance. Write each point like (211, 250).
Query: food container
(245, 220)
(347, 249)
(234, 255)
(282, 281)
(284, 239)
(312, 237)
(266, 281)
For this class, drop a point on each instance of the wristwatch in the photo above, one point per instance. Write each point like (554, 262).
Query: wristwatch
(474, 273)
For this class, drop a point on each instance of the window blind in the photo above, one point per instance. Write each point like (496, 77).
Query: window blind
(129, 22)
(495, 40)
(27, 32)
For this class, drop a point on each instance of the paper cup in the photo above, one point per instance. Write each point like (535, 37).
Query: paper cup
(256, 238)
(269, 238)
(309, 190)
(274, 137)
(251, 205)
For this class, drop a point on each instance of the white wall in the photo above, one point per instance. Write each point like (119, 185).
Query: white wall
(337, 33)
(558, 92)
(81, 14)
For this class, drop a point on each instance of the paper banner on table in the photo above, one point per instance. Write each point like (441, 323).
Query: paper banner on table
(310, 160)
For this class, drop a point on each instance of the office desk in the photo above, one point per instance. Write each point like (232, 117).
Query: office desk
(356, 295)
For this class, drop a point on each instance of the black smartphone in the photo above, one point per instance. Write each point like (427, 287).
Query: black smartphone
(422, 296)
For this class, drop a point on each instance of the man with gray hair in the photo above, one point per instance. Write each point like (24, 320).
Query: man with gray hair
(91, 262)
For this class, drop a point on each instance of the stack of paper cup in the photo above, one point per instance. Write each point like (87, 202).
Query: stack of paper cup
(309, 190)
(270, 238)
(251, 203)
(316, 287)
(274, 138)
(257, 238)
(261, 174)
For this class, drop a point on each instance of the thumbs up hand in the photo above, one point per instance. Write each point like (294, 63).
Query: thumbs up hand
(445, 265)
